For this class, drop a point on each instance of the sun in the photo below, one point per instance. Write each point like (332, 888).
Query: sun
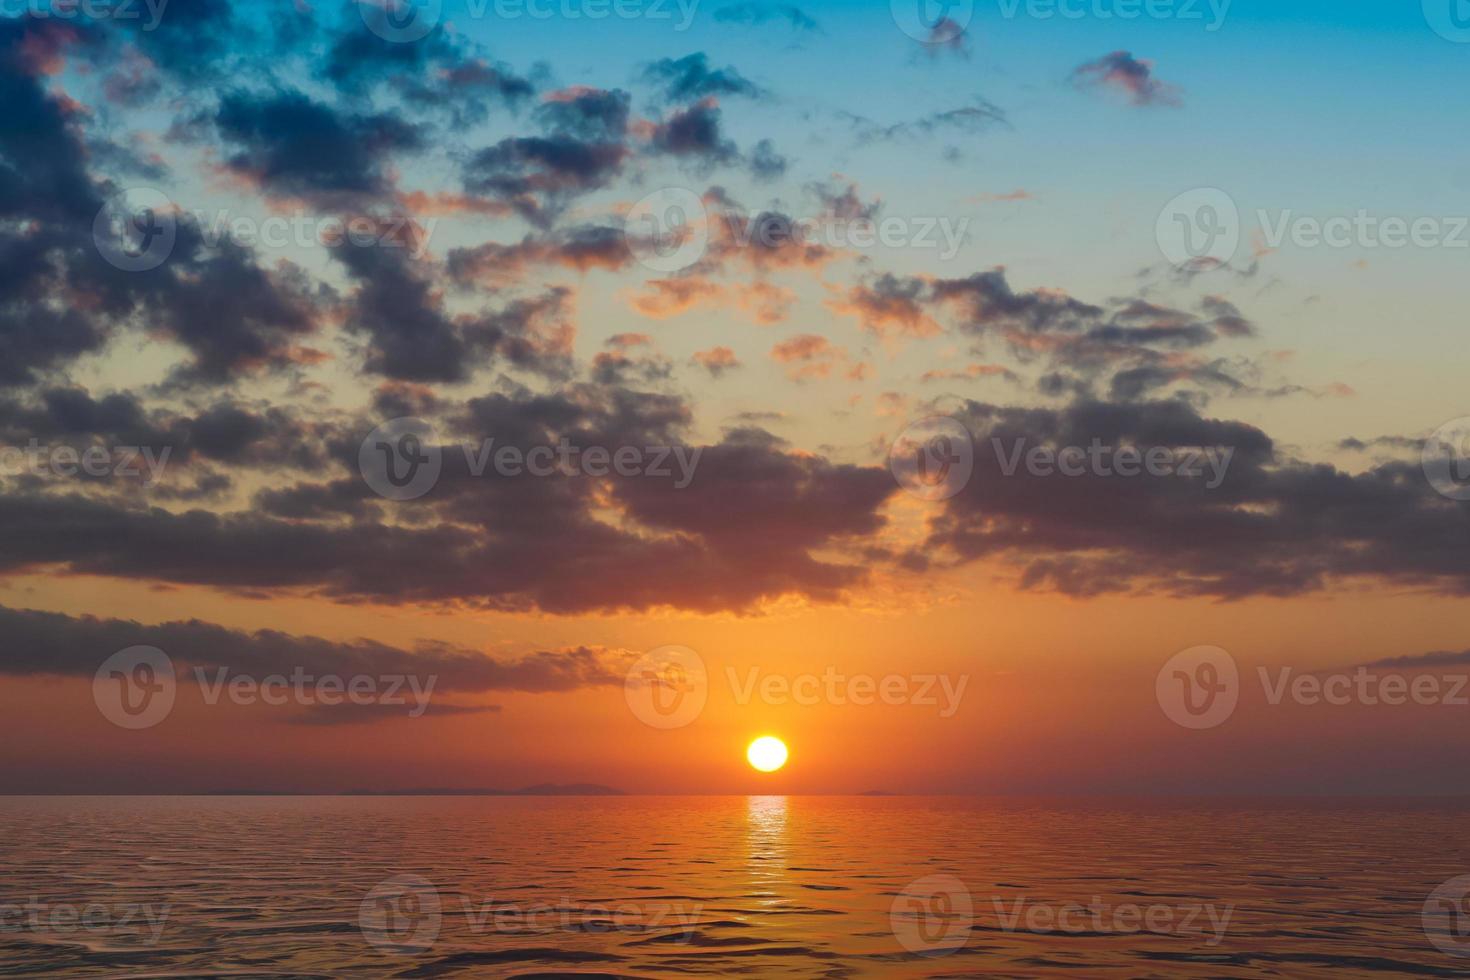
(767, 753)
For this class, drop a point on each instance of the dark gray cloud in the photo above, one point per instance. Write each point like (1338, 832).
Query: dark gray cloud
(1415, 661)
(979, 116)
(539, 176)
(756, 14)
(44, 643)
(1132, 76)
(1274, 525)
(748, 527)
(690, 78)
(294, 146)
(694, 134)
(493, 265)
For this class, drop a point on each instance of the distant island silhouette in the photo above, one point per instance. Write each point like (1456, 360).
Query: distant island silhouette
(541, 789)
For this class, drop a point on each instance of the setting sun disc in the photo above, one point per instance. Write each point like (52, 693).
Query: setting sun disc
(767, 753)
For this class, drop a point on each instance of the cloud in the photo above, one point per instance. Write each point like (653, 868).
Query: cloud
(693, 133)
(587, 113)
(507, 543)
(1439, 658)
(539, 176)
(582, 149)
(581, 248)
(765, 163)
(1132, 76)
(440, 73)
(411, 336)
(53, 644)
(1273, 526)
(971, 372)
(665, 298)
(808, 356)
(295, 147)
(756, 14)
(716, 360)
(840, 200)
(690, 79)
(977, 117)
(1136, 346)
(889, 305)
(947, 35)
(1395, 443)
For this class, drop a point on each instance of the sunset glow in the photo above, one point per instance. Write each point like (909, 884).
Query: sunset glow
(553, 457)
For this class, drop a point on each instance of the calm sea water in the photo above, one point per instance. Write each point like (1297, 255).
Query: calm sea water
(737, 886)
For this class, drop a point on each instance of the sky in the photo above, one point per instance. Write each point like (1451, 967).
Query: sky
(770, 305)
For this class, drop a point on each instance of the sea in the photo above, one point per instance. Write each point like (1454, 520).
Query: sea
(761, 887)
